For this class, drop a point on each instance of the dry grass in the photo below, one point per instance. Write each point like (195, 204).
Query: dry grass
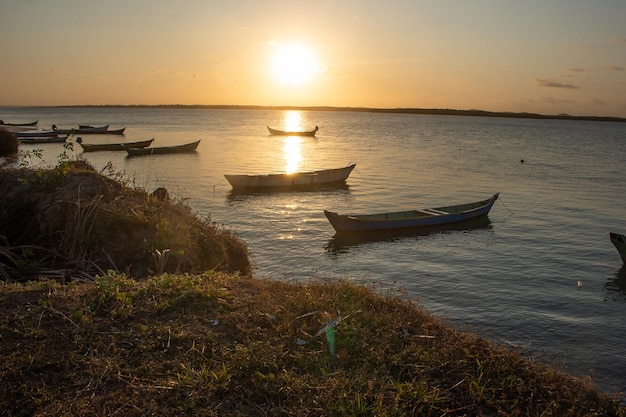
(8, 143)
(73, 223)
(219, 344)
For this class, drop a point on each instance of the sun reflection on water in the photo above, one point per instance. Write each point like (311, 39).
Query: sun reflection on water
(292, 153)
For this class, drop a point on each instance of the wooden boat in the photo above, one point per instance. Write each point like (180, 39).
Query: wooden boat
(293, 180)
(187, 147)
(311, 132)
(341, 241)
(2, 122)
(619, 241)
(90, 130)
(37, 134)
(93, 147)
(43, 139)
(410, 219)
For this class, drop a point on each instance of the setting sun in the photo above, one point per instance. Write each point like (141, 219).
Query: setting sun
(293, 64)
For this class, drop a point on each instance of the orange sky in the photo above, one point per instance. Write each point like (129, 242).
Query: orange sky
(549, 57)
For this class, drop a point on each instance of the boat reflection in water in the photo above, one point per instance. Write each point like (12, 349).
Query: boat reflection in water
(617, 284)
(236, 193)
(340, 242)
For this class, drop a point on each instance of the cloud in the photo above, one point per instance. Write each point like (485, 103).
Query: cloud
(544, 82)
(598, 102)
(619, 40)
(549, 100)
(576, 69)
(614, 68)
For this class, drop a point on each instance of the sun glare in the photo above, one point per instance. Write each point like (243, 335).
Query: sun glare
(294, 64)
(293, 155)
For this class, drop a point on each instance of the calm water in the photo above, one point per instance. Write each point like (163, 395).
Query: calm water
(513, 280)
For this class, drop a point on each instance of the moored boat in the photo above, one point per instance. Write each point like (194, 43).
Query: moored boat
(93, 147)
(90, 130)
(2, 122)
(37, 134)
(292, 180)
(43, 139)
(185, 148)
(619, 241)
(279, 132)
(410, 219)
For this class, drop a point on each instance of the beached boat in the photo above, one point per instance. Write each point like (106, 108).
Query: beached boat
(293, 180)
(29, 140)
(187, 147)
(410, 219)
(93, 147)
(311, 132)
(619, 241)
(2, 122)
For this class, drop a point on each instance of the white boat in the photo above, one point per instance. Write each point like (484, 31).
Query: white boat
(293, 180)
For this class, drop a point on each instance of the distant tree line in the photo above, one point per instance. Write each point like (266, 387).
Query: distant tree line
(447, 112)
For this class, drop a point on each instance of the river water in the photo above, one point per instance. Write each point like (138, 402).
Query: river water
(514, 279)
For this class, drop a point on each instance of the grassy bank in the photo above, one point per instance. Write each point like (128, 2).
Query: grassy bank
(221, 344)
(86, 329)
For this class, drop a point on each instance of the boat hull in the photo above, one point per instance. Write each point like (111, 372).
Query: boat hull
(43, 139)
(619, 241)
(279, 132)
(294, 180)
(411, 219)
(93, 147)
(186, 148)
(28, 124)
(37, 134)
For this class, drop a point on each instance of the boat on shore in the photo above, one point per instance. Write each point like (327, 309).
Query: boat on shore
(30, 140)
(619, 241)
(27, 124)
(279, 132)
(94, 147)
(410, 219)
(289, 181)
(185, 148)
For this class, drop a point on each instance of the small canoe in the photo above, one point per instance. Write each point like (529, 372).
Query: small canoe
(2, 122)
(106, 132)
(278, 132)
(42, 139)
(410, 219)
(37, 134)
(90, 130)
(185, 148)
(293, 180)
(93, 147)
(619, 241)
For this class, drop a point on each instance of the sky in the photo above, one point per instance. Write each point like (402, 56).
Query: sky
(539, 56)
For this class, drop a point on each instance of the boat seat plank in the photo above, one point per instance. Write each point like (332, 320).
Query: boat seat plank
(432, 212)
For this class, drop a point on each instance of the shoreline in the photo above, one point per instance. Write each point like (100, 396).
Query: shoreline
(399, 110)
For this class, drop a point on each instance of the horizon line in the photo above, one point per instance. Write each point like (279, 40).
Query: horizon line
(403, 110)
